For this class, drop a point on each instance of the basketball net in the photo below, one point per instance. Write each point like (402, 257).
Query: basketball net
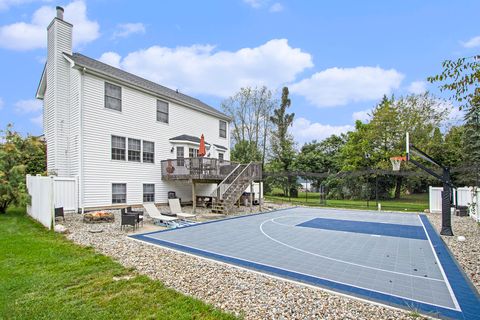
(396, 162)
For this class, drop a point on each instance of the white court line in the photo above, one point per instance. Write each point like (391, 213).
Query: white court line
(449, 287)
(325, 287)
(334, 259)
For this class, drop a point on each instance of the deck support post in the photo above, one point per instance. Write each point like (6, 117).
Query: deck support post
(260, 198)
(194, 197)
(251, 196)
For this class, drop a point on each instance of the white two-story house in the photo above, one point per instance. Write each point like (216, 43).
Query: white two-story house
(126, 139)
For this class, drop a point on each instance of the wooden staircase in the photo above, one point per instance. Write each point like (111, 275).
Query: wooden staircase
(232, 187)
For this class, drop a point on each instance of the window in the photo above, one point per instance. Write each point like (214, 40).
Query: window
(162, 111)
(223, 129)
(118, 148)
(148, 152)
(148, 193)
(119, 193)
(134, 148)
(180, 156)
(220, 156)
(192, 152)
(113, 97)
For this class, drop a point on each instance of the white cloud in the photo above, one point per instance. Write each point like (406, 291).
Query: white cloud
(254, 3)
(364, 115)
(126, 29)
(6, 4)
(340, 86)
(38, 120)
(111, 58)
(200, 69)
(303, 130)
(276, 7)
(417, 87)
(1, 103)
(472, 43)
(33, 35)
(28, 106)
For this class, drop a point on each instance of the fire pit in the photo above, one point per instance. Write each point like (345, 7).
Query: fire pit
(98, 217)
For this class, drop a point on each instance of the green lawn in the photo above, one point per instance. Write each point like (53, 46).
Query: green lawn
(45, 276)
(415, 202)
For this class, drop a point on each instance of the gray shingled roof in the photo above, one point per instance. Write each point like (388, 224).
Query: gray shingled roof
(119, 74)
(186, 137)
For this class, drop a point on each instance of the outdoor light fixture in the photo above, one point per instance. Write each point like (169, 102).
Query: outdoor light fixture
(171, 150)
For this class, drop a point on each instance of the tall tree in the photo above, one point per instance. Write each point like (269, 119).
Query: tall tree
(18, 156)
(250, 109)
(245, 152)
(282, 144)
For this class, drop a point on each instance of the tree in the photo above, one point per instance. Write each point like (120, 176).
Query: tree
(245, 152)
(250, 109)
(18, 156)
(282, 144)
(462, 78)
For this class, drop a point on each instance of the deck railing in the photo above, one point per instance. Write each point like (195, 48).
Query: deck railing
(196, 168)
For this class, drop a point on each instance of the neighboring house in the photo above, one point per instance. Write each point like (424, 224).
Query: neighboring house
(115, 131)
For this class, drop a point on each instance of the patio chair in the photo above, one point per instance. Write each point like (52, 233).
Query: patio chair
(138, 214)
(128, 220)
(59, 213)
(176, 209)
(157, 217)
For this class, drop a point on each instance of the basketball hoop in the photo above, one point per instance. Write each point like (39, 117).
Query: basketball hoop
(396, 162)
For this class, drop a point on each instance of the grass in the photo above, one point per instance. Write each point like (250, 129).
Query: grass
(414, 202)
(45, 276)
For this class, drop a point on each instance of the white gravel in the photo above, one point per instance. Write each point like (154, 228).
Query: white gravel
(246, 293)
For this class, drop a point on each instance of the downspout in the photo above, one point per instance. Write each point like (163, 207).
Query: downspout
(82, 187)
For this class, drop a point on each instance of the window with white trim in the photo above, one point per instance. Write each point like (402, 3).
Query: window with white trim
(118, 148)
(192, 152)
(221, 156)
(113, 97)
(180, 156)
(134, 149)
(162, 111)
(148, 192)
(119, 193)
(223, 129)
(148, 152)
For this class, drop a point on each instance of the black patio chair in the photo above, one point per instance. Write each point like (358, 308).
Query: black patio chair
(138, 214)
(59, 213)
(128, 220)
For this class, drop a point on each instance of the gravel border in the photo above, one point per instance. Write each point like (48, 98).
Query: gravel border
(250, 294)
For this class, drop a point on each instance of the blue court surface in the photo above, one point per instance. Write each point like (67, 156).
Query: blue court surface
(395, 259)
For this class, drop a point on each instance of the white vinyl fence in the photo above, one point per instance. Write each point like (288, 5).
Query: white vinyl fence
(464, 196)
(48, 193)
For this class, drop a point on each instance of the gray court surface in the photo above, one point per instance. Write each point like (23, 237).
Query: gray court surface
(310, 245)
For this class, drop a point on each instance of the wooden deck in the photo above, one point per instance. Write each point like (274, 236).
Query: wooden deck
(201, 169)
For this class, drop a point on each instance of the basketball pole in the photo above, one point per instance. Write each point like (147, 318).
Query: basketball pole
(446, 181)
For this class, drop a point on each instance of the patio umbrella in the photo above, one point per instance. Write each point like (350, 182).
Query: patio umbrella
(201, 150)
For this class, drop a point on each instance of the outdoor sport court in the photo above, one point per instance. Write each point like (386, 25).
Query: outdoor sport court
(396, 259)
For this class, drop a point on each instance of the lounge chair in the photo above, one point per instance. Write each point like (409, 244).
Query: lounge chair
(176, 209)
(155, 214)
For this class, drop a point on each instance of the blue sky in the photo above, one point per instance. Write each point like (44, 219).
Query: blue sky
(337, 57)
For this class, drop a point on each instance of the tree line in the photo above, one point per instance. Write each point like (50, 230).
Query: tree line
(260, 132)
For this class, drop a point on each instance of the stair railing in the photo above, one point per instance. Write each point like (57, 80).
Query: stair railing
(225, 184)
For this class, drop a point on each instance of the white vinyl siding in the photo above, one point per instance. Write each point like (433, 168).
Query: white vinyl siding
(119, 193)
(162, 111)
(134, 150)
(138, 121)
(223, 129)
(113, 97)
(148, 152)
